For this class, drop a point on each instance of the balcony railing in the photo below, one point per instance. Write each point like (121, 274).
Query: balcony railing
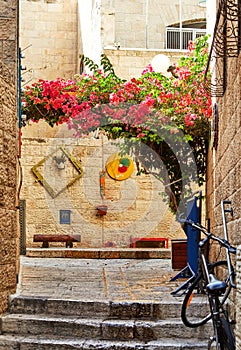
(176, 40)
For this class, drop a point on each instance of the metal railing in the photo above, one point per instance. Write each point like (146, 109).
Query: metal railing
(179, 40)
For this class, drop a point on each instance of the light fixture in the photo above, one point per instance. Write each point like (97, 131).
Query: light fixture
(160, 63)
(202, 3)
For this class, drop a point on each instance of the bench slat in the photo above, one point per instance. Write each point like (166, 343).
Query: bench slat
(69, 239)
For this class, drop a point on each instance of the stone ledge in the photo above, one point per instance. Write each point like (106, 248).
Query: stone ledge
(101, 253)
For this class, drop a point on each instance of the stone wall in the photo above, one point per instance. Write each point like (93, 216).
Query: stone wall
(8, 224)
(224, 180)
(8, 23)
(54, 33)
(49, 38)
(224, 168)
(142, 23)
(238, 296)
(135, 205)
(129, 63)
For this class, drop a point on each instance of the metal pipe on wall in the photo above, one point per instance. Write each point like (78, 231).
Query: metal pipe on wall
(147, 22)
(180, 22)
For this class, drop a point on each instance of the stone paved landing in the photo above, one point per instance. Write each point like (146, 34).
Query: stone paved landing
(97, 279)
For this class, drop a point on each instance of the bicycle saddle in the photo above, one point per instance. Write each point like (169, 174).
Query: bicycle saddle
(216, 285)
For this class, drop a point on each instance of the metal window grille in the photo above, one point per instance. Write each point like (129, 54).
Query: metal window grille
(173, 36)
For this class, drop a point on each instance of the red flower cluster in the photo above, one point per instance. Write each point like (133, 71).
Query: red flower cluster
(91, 101)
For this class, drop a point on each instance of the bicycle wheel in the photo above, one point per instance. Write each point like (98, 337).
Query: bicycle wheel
(195, 310)
(223, 336)
(226, 336)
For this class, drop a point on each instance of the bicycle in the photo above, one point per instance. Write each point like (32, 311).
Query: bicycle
(214, 283)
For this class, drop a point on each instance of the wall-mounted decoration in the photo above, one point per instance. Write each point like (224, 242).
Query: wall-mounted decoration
(60, 159)
(101, 210)
(119, 167)
(110, 244)
(64, 217)
(75, 163)
(102, 184)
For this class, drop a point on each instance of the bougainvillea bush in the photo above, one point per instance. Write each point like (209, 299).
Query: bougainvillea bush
(169, 115)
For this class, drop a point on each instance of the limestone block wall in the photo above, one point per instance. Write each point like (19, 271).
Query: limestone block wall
(129, 63)
(53, 33)
(142, 23)
(224, 167)
(8, 23)
(49, 38)
(8, 178)
(8, 215)
(135, 205)
(238, 296)
(224, 163)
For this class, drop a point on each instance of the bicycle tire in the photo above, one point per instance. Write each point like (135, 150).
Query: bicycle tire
(195, 309)
(226, 336)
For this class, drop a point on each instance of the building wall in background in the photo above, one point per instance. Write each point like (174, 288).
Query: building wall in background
(130, 63)
(49, 38)
(58, 32)
(54, 33)
(142, 23)
(135, 205)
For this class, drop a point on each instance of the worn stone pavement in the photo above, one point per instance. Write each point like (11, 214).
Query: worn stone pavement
(97, 279)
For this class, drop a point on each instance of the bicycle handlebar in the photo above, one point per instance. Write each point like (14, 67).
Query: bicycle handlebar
(223, 242)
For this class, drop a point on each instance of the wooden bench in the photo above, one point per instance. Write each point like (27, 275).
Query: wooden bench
(149, 242)
(45, 239)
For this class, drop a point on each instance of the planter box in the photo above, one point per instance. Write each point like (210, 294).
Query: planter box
(179, 254)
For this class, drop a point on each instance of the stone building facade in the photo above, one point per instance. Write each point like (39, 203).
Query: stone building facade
(8, 175)
(142, 24)
(53, 34)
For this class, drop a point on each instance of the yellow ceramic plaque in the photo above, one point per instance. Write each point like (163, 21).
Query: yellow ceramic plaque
(119, 167)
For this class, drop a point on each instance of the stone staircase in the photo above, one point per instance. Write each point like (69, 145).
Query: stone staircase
(35, 323)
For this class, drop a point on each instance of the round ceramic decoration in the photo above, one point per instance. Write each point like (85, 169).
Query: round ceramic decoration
(119, 167)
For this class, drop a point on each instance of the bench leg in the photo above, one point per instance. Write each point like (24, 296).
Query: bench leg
(69, 244)
(45, 245)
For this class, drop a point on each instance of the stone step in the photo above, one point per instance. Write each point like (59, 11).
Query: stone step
(93, 309)
(40, 323)
(168, 308)
(104, 329)
(12, 342)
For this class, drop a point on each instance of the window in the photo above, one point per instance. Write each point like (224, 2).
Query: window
(177, 38)
(173, 37)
